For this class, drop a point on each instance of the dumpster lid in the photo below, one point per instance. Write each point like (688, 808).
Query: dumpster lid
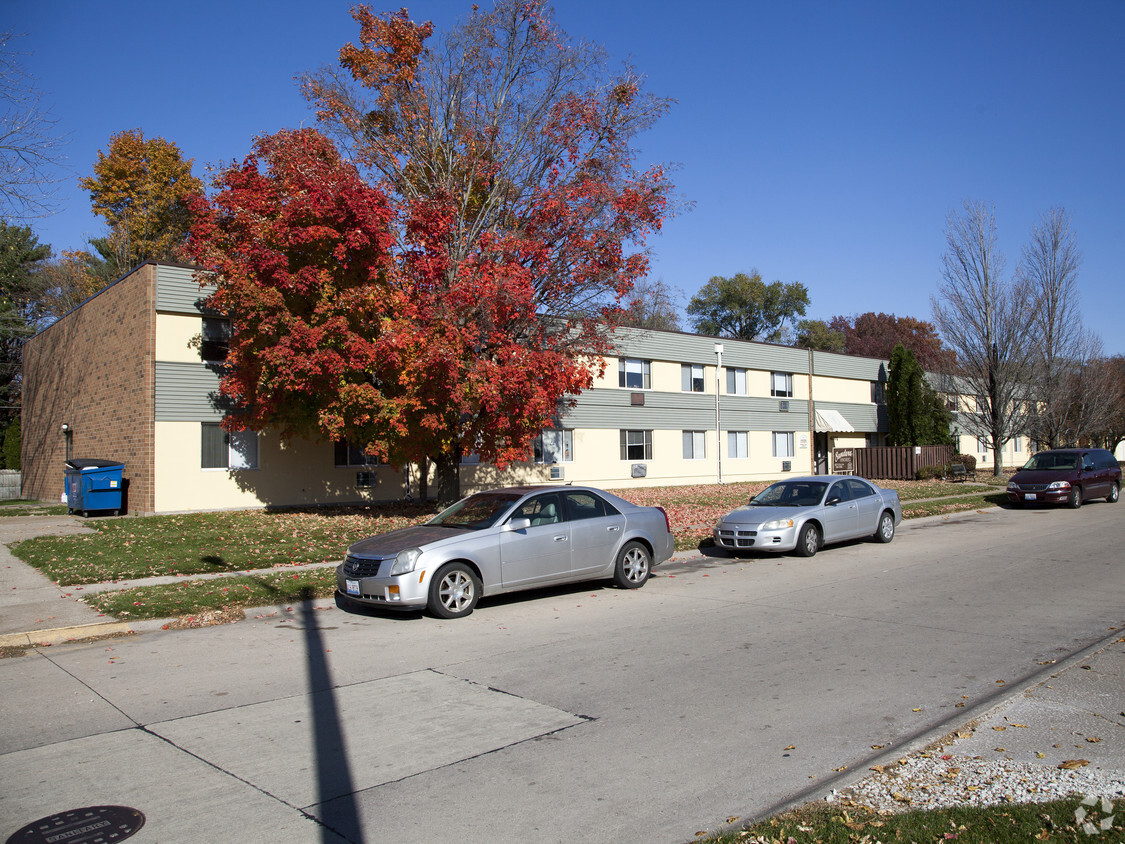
(87, 463)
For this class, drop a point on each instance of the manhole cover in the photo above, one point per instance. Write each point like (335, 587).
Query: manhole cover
(92, 825)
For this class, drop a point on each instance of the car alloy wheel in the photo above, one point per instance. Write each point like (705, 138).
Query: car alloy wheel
(454, 591)
(633, 567)
(1075, 499)
(1114, 494)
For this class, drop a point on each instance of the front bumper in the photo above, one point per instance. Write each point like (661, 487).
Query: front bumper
(750, 538)
(1050, 496)
(403, 591)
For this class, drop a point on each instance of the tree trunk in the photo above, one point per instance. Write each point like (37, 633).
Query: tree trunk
(447, 468)
(423, 480)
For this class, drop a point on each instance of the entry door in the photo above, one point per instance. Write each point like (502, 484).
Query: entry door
(539, 553)
(820, 442)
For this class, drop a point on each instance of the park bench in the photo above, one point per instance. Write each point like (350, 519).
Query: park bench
(958, 472)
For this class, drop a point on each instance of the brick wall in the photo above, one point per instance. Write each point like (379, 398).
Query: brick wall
(94, 371)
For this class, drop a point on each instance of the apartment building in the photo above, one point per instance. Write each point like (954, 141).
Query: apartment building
(132, 375)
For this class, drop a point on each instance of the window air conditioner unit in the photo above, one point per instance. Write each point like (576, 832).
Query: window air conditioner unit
(640, 470)
(557, 473)
(787, 465)
(783, 406)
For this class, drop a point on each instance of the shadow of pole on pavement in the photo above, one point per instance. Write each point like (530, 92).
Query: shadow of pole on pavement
(338, 811)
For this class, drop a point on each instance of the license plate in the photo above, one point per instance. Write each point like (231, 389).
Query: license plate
(351, 587)
(1030, 496)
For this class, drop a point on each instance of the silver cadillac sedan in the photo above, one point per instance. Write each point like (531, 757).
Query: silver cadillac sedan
(805, 514)
(505, 540)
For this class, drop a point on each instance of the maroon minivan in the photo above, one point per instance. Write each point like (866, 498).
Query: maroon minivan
(1066, 476)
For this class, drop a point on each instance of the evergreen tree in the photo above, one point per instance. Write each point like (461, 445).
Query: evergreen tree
(916, 414)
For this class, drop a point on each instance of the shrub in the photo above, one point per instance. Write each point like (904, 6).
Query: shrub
(928, 473)
(967, 460)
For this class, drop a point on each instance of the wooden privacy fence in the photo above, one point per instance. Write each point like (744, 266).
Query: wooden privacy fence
(9, 484)
(890, 462)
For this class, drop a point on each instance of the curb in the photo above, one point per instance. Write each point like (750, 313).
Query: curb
(61, 635)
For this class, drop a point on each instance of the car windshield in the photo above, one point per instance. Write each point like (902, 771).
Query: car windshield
(790, 494)
(477, 511)
(1052, 462)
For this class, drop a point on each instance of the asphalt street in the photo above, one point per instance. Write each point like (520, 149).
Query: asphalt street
(723, 689)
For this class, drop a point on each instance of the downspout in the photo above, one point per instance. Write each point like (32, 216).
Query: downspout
(812, 419)
(718, 421)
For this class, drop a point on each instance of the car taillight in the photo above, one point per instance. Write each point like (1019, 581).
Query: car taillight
(667, 523)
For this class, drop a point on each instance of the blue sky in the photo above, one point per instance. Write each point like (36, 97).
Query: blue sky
(820, 142)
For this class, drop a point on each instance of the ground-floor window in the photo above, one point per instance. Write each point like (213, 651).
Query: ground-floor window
(636, 445)
(695, 445)
(348, 455)
(555, 445)
(783, 443)
(738, 444)
(228, 449)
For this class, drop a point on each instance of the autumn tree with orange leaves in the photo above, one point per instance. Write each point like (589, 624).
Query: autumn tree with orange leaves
(515, 222)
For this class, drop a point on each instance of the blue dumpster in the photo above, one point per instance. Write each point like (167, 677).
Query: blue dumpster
(94, 485)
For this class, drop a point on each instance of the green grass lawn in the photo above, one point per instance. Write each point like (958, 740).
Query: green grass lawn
(270, 543)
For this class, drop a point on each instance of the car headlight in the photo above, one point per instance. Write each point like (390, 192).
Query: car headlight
(778, 524)
(405, 561)
(1013, 487)
(1059, 485)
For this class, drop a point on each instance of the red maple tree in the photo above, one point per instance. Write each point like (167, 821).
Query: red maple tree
(502, 221)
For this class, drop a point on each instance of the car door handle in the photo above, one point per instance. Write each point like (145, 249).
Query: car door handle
(560, 539)
(612, 528)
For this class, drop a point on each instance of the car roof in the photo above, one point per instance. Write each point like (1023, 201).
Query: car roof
(823, 478)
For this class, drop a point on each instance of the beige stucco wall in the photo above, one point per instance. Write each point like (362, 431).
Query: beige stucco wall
(174, 336)
(292, 473)
(844, 390)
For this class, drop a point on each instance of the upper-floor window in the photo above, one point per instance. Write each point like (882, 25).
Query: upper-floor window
(736, 381)
(878, 392)
(215, 340)
(781, 385)
(634, 374)
(691, 378)
(555, 445)
(228, 449)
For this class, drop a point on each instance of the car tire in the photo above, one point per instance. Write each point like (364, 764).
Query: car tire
(808, 540)
(886, 530)
(633, 566)
(1074, 500)
(454, 591)
(1114, 493)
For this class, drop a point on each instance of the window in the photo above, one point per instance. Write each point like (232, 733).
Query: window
(347, 455)
(782, 443)
(951, 403)
(1016, 445)
(781, 385)
(228, 449)
(215, 340)
(691, 378)
(634, 374)
(738, 444)
(878, 392)
(695, 445)
(736, 382)
(586, 505)
(981, 445)
(636, 445)
(542, 510)
(554, 446)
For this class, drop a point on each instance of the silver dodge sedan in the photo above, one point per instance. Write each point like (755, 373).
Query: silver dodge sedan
(805, 514)
(505, 540)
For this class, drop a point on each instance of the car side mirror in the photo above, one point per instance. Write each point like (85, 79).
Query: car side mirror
(521, 523)
(833, 501)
